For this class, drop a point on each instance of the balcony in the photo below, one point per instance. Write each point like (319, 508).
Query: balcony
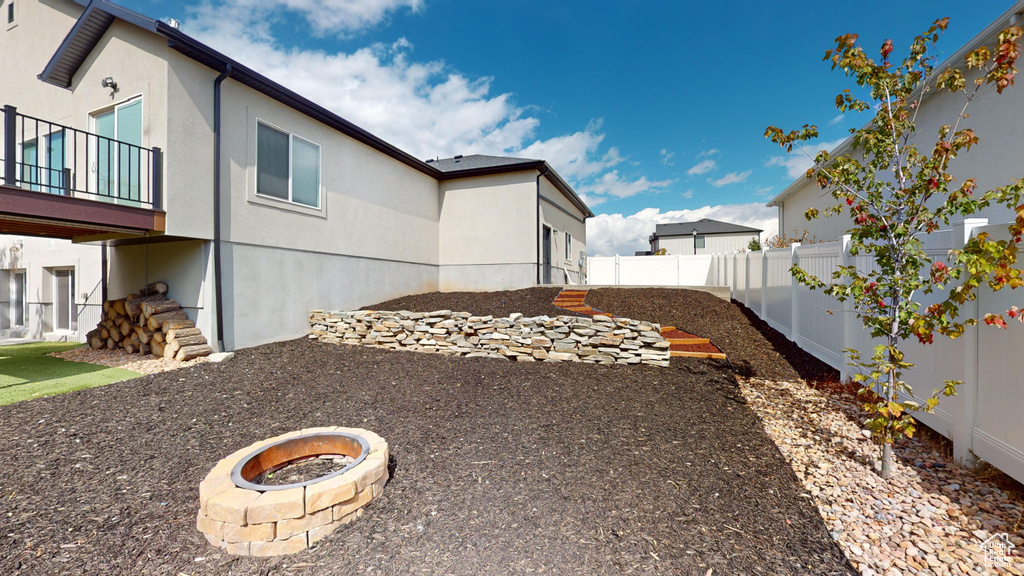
(61, 182)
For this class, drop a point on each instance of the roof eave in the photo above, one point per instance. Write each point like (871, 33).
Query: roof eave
(538, 165)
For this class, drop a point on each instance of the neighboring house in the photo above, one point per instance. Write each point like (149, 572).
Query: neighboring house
(995, 161)
(704, 236)
(49, 288)
(253, 203)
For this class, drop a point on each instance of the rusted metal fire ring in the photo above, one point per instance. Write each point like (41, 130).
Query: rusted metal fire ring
(252, 519)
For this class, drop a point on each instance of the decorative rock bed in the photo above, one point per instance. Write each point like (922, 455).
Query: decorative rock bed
(599, 339)
(263, 520)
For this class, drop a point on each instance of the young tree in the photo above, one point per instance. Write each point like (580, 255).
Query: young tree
(754, 245)
(895, 188)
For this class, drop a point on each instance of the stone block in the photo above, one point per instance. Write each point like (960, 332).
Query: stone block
(230, 506)
(291, 545)
(251, 533)
(277, 505)
(329, 492)
(209, 527)
(370, 470)
(288, 528)
(214, 484)
(237, 548)
(353, 504)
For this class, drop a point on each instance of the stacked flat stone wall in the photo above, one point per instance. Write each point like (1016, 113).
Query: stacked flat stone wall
(597, 339)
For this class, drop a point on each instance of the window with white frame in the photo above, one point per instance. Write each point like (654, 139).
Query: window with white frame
(698, 242)
(568, 246)
(65, 309)
(19, 302)
(287, 166)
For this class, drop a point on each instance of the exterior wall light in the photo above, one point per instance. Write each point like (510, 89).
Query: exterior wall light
(108, 82)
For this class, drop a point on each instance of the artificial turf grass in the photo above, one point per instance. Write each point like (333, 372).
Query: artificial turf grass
(27, 372)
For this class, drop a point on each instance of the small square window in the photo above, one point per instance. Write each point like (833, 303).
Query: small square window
(699, 242)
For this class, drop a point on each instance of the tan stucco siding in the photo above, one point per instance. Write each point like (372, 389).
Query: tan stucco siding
(571, 222)
(997, 160)
(188, 157)
(27, 46)
(371, 205)
(488, 219)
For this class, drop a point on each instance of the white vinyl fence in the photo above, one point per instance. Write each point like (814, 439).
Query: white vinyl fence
(987, 415)
(675, 270)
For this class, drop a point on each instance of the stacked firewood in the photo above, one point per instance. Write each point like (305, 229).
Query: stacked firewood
(149, 323)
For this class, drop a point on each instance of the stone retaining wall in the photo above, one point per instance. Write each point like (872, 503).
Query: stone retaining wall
(597, 339)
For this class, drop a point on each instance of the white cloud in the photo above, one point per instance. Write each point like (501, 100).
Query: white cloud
(730, 178)
(424, 108)
(688, 194)
(574, 156)
(765, 190)
(341, 17)
(610, 234)
(797, 162)
(707, 153)
(837, 120)
(666, 157)
(701, 167)
(612, 184)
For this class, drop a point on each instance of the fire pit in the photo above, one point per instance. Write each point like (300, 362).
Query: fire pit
(242, 513)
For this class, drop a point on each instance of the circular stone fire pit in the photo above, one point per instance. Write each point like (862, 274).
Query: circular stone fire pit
(251, 519)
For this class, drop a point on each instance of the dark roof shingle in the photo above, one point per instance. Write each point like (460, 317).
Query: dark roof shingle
(704, 226)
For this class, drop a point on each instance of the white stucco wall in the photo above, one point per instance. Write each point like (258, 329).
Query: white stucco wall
(39, 258)
(997, 160)
(486, 232)
(559, 214)
(713, 244)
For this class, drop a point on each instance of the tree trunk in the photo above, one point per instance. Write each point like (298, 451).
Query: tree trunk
(96, 342)
(182, 333)
(119, 307)
(186, 341)
(154, 288)
(170, 349)
(169, 325)
(154, 308)
(134, 305)
(156, 348)
(190, 352)
(158, 336)
(156, 321)
(886, 460)
(111, 343)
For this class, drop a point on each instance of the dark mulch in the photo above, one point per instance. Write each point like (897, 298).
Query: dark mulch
(529, 301)
(752, 346)
(499, 468)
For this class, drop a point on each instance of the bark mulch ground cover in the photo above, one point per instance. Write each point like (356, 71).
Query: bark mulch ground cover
(499, 467)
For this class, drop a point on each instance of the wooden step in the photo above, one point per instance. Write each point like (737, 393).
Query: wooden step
(684, 341)
(682, 354)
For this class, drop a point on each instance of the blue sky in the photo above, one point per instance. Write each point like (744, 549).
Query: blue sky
(653, 110)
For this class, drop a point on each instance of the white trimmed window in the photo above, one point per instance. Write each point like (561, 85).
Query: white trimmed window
(287, 166)
(568, 246)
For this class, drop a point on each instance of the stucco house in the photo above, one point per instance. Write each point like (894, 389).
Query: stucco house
(705, 236)
(252, 202)
(995, 161)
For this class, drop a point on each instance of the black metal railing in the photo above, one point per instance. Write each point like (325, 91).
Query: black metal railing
(51, 158)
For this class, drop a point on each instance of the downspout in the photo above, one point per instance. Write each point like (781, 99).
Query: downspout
(540, 257)
(218, 290)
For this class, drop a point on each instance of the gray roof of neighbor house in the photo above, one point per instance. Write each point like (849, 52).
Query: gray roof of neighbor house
(98, 16)
(704, 226)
